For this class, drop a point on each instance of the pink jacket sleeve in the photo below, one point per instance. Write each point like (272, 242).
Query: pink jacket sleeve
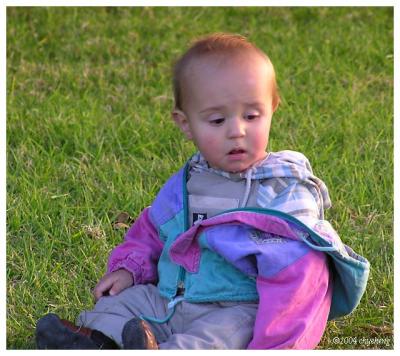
(294, 305)
(140, 251)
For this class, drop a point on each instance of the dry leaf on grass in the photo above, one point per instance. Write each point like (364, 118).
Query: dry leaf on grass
(123, 221)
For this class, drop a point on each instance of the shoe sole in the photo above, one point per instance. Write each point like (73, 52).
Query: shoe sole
(133, 335)
(52, 334)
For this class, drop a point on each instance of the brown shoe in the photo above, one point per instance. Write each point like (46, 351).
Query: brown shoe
(55, 333)
(137, 335)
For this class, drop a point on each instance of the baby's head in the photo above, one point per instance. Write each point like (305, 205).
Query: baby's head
(225, 95)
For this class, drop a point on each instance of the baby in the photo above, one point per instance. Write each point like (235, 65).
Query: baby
(233, 252)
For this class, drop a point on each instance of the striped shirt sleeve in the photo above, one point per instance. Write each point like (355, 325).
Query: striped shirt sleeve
(293, 197)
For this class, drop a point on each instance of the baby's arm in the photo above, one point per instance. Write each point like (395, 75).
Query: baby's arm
(135, 260)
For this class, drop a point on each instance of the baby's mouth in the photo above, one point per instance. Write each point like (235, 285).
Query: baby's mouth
(236, 151)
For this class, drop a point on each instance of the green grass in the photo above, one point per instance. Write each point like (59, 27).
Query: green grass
(89, 135)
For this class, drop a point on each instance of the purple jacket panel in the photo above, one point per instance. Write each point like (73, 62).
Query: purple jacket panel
(185, 251)
(253, 252)
(169, 200)
(294, 305)
(140, 251)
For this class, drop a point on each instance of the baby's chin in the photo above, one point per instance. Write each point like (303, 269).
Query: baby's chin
(238, 166)
(229, 168)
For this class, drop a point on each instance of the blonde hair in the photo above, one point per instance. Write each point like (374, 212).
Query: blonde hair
(217, 44)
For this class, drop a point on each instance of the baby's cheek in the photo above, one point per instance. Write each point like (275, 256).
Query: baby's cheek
(260, 140)
(210, 150)
(208, 142)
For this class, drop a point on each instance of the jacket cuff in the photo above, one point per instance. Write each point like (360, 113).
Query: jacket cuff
(129, 265)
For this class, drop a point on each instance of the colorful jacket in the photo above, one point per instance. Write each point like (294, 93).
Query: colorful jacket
(268, 251)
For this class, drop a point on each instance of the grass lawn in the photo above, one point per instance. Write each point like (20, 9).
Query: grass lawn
(89, 135)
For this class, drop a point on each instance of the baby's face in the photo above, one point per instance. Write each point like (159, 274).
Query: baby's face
(227, 111)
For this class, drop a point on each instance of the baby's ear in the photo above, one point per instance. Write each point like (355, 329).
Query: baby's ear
(182, 121)
(276, 100)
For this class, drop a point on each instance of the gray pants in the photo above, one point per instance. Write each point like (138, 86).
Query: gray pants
(220, 325)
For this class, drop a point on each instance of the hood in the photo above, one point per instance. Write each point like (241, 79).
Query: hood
(282, 164)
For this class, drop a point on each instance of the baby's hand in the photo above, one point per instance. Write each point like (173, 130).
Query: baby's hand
(113, 283)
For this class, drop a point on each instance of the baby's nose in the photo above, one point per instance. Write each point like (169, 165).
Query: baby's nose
(236, 128)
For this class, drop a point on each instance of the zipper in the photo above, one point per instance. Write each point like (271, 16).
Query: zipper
(180, 291)
(181, 274)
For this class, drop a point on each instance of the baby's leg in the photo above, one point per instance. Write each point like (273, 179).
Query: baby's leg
(211, 326)
(111, 313)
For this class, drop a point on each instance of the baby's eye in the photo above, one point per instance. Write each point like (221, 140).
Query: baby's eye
(251, 117)
(217, 120)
